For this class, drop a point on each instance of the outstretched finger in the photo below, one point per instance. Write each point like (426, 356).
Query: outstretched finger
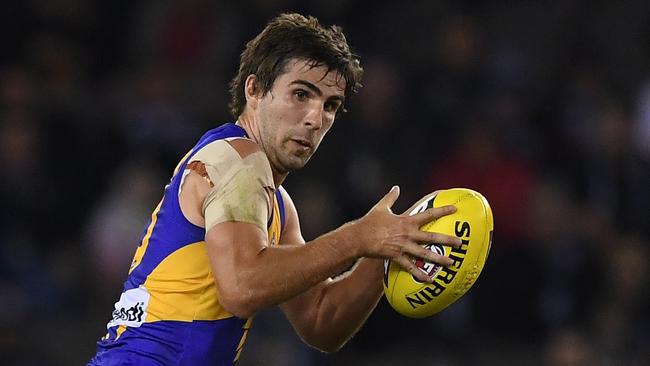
(389, 199)
(431, 214)
(425, 237)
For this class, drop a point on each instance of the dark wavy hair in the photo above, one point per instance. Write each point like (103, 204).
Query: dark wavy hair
(293, 36)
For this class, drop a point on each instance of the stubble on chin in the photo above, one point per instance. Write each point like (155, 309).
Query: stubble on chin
(291, 161)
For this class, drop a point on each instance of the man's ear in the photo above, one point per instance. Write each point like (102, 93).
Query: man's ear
(252, 91)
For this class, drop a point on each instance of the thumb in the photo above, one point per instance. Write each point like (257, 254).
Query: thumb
(389, 199)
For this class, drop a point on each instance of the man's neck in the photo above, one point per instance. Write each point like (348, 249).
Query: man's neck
(250, 126)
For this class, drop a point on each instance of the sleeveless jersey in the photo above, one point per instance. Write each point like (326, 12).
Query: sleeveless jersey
(169, 311)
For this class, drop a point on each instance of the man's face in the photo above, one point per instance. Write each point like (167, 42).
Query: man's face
(297, 112)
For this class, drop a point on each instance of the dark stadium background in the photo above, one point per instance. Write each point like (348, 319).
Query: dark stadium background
(543, 106)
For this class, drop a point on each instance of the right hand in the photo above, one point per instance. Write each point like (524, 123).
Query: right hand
(383, 234)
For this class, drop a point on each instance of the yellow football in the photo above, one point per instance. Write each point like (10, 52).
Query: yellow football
(473, 224)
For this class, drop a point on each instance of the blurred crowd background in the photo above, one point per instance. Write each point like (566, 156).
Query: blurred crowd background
(543, 106)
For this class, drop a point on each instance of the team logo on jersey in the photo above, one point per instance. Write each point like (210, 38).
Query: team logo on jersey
(131, 310)
(431, 269)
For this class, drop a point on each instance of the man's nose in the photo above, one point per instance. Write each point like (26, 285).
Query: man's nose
(314, 118)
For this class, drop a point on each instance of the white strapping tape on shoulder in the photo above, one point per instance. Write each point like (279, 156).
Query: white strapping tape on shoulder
(242, 186)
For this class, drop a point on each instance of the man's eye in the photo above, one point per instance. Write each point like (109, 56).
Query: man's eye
(332, 106)
(301, 94)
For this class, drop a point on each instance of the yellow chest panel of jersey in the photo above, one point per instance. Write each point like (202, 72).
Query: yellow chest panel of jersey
(182, 287)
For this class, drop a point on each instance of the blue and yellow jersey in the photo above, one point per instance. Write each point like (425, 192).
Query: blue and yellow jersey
(169, 311)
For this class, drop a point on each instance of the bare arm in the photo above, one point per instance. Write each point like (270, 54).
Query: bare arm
(251, 276)
(330, 313)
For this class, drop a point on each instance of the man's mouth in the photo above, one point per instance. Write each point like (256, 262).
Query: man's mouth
(302, 142)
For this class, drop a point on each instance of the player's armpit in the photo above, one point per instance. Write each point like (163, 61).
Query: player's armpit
(291, 233)
(242, 185)
(192, 192)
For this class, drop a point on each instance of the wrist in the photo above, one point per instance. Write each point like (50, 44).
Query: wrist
(348, 240)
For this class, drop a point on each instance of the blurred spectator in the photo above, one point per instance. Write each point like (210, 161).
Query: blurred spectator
(642, 122)
(612, 178)
(563, 271)
(621, 322)
(151, 117)
(479, 162)
(371, 117)
(116, 223)
(21, 173)
(448, 79)
(569, 347)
